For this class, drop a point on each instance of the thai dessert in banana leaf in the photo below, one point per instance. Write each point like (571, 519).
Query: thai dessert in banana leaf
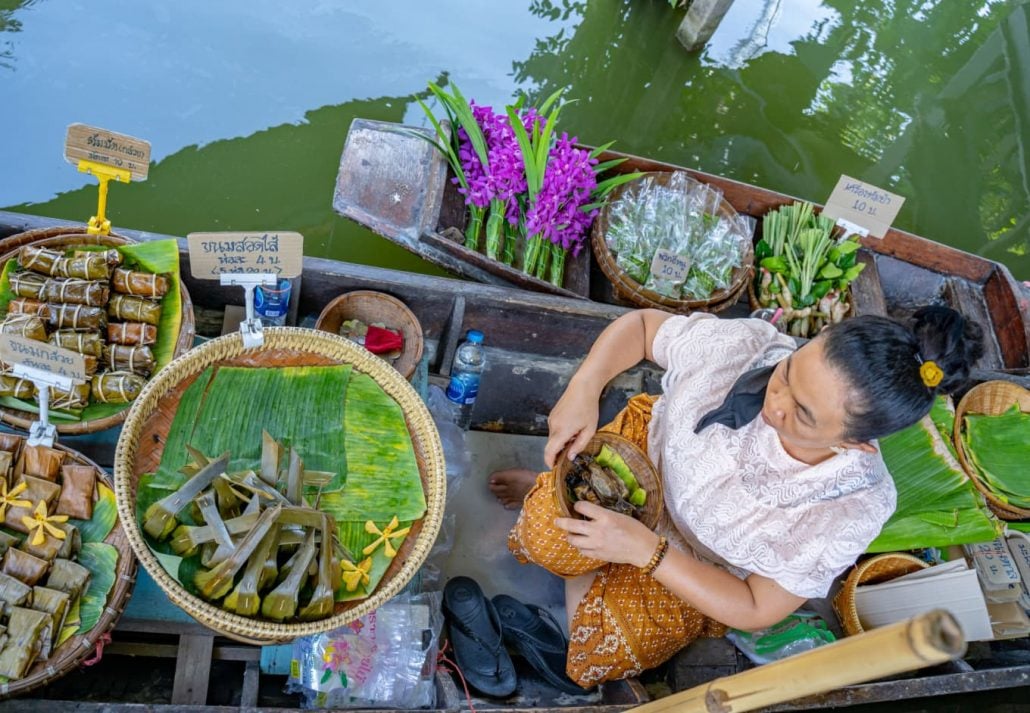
(69, 577)
(62, 540)
(78, 292)
(14, 592)
(18, 388)
(23, 566)
(24, 325)
(71, 545)
(24, 305)
(55, 603)
(41, 462)
(134, 309)
(112, 257)
(998, 449)
(7, 540)
(141, 284)
(75, 398)
(138, 360)
(90, 343)
(76, 499)
(84, 267)
(76, 317)
(39, 259)
(6, 465)
(116, 387)
(28, 284)
(133, 334)
(25, 631)
(22, 497)
(11, 442)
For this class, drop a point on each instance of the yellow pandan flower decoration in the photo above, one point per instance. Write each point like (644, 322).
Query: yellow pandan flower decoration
(353, 575)
(385, 537)
(9, 498)
(40, 523)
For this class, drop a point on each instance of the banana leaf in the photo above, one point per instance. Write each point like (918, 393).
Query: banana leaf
(937, 503)
(998, 446)
(101, 559)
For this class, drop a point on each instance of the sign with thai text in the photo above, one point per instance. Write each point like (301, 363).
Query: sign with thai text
(215, 254)
(42, 356)
(863, 204)
(668, 265)
(88, 143)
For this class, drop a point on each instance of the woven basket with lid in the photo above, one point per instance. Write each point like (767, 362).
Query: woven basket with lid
(880, 568)
(55, 240)
(141, 444)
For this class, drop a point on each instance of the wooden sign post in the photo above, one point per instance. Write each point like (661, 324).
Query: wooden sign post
(45, 366)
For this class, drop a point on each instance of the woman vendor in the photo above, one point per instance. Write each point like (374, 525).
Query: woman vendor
(772, 478)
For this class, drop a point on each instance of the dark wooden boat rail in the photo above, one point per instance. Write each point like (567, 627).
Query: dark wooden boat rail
(535, 343)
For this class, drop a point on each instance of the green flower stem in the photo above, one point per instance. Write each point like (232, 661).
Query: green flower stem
(495, 229)
(542, 260)
(558, 255)
(533, 246)
(511, 236)
(474, 228)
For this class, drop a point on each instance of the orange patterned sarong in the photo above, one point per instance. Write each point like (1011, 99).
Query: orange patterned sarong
(627, 622)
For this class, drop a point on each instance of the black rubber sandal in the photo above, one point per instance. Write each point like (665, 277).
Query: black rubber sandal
(475, 630)
(532, 632)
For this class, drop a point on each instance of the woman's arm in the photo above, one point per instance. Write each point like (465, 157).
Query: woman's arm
(750, 604)
(623, 344)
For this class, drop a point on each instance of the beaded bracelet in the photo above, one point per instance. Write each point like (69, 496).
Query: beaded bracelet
(657, 557)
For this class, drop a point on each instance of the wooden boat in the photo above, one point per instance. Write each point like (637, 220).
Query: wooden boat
(535, 342)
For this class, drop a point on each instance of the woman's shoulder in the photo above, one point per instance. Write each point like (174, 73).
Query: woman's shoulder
(705, 335)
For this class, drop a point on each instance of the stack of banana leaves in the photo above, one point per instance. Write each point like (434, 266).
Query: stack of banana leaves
(937, 503)
(306, 505)
(997, 446)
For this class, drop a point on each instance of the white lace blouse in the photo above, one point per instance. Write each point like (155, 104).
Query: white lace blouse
(736, 497)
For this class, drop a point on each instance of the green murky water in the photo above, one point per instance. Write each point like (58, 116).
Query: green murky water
(247, 102)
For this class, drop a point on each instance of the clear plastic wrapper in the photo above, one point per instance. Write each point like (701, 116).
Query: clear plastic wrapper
(801, 631)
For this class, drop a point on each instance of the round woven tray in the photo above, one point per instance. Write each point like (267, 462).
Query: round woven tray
(370, 307)
(69, 655)
(992, 398)
(880, 568)
(142, 442)
(630, 290)
(47, 238)
(639, 464)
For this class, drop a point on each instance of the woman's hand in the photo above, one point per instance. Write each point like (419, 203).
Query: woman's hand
(609, 536)
(572, 421)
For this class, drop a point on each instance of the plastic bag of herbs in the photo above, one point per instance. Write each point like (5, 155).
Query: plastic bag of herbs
(806, 266)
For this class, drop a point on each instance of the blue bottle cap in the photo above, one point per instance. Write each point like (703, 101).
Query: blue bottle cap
(475, 336)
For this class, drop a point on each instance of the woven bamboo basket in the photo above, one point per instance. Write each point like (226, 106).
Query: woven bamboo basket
(630, 290)
(639, 464)
(142, 439)
(992, 398)
(69, 655)
(370, 306)
(47, 238)
(880, 568)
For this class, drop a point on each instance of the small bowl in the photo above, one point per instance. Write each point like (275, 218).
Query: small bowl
(371, 307)
(640, 465)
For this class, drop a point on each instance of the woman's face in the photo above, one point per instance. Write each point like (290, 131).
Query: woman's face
(805, 399)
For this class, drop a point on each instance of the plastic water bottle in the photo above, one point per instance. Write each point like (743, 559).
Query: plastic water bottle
(469, 361)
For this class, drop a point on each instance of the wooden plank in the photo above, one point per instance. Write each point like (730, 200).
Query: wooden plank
(1009, 307)
(968, 300)
(171, 651)
(192, 670)
(867, 291)
(251, 683)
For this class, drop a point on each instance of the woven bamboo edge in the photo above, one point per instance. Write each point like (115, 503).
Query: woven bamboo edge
(50, 237)
(880, 567)
(425, 439)
(413, 334)
(991, 398)
(652, 478)
(69, 654)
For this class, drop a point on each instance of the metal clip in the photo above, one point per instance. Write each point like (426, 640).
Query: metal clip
(250, 327)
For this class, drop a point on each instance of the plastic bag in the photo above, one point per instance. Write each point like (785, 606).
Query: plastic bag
(385, 659)
(801, 631)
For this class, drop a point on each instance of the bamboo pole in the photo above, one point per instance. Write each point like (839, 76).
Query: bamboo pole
(924, 640)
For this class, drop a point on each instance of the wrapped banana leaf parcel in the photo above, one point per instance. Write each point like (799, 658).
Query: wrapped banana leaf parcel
(140, 284)
(76, 292)
(24, 325)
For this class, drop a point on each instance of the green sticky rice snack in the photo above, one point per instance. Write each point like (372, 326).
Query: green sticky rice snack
(638, 497)
(608, 458)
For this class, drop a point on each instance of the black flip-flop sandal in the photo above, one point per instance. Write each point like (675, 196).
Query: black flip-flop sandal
(475, 630)
(532, 632)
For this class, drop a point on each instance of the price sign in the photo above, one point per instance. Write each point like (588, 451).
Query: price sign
(863, 204)
(42, 357)
(88, 143)
(668, 265)
(216, 254)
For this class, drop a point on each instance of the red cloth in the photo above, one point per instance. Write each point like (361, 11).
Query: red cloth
(381, 341)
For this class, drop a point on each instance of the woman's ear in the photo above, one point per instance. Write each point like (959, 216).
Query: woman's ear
(864, 446)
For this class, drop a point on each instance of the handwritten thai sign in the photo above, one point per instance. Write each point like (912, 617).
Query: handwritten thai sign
(102, 146)
(864, 205)
(214, 254)
(668, 265)
(42, 356)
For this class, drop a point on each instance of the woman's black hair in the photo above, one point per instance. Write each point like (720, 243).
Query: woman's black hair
(881, 359)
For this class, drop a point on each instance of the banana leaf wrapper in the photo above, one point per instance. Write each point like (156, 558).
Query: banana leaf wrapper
(36, 489)
(28, 284)
(64, 316)
(90, 343)
(14, 592)
(216, 583)
(141, 284)
(23, 566)
(77, 292)
(245, 599)
(24, 305)
(71, 545)
(998, 446)
(18, 388)
(41, 462)
(283, 601)
(112, 257)
(40, 260)
(134, 309)
(7, 540)
(133, 334)
(138, 360)
(69, 577)
(75, 398)
(24, 325)
(55, 603)
(6, 466)
(77, 483)
(12, 443)
(83, 267)
(116, 387)
(25, 631)
(49, 549)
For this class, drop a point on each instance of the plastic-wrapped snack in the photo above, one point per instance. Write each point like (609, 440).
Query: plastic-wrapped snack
(141, 284)
(112, 256)
(78, 292)
(24, 305)
(28, 284)
(134, 309)
(77, 317)
(116, 387)
(24, 325)
(86, 267)
(74, 399)
(134, 334)
(82, 342)
(138, 360)
(38, 259)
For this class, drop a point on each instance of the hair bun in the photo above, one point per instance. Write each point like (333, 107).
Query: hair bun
(950, 340)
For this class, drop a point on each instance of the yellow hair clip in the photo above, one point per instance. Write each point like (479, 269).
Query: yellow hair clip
(930, 373)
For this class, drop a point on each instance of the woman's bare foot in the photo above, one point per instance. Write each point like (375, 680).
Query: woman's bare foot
(510, 486)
